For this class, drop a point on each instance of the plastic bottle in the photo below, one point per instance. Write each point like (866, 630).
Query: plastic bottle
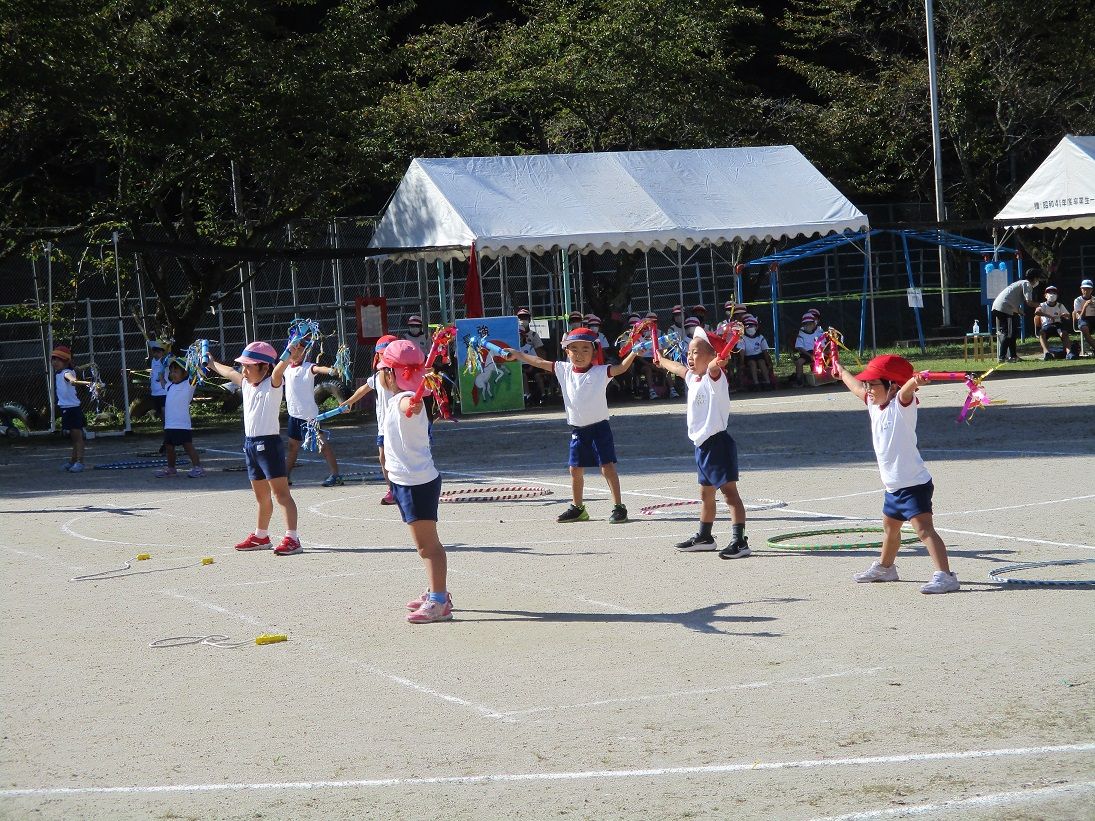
(976, 326)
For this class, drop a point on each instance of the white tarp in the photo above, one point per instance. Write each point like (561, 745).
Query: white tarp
(1060, 193)
(625, 200)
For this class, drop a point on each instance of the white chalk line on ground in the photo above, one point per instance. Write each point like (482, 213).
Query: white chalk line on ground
(584, 775)
(752, 685)
(46, 559)
(994, 800)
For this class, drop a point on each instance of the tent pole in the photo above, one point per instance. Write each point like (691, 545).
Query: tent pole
(581, 285)
(916, 310)
(528, 283)
(121, 336)
(863, 304)
(870, 269)
(564, 256)
(452, 292)
(775, 308)
(646, 265)
(503, 295)
(714, 282)
(680, 282)
(442, 304)
(423, 291)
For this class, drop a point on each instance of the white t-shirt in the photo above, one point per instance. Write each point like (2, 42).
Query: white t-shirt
(382, 397)
(805, 341)
(300, 398)
(1051, 313)
(158, 369)
(261, 406)
(893, 434)
(1078, 303)
(407, 455)
(753, 345)
(176, 409)
(584, 394)
(1013, 298)
(66, 391)
(423, 341)
(708, 406)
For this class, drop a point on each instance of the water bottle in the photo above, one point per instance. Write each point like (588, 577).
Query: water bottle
(976, 327)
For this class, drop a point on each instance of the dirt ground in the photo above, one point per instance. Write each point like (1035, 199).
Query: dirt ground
(591, 671)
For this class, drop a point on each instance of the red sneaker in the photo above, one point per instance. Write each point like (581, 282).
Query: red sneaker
(288, 547)
(388, 499)
(253, 542)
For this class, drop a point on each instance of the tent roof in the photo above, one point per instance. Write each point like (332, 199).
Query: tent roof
(1061, 191)
(633, 200)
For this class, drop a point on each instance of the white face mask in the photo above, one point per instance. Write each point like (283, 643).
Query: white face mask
(750, 331)
(524, 323)
(414, 331)
(1051, 298)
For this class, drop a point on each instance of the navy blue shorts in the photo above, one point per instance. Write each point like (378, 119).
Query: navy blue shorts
(265, 457)
(72, 419)
(177, 436)
(418, 501)
(296, 429)
(907, 502)
(592, 446)
(158, 403)
(717, 460)
(380, 440)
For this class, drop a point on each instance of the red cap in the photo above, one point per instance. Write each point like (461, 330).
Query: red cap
(691, 322)
(888, 366)
(728, 305)
(524, 312)
(677, 309)
(698, 309)
(581, 335)
(592, 319)
(575, 316)
(62, 352)
(414, 320)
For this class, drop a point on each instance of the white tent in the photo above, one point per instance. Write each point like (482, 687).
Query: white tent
(1060, 193)
(635, 200)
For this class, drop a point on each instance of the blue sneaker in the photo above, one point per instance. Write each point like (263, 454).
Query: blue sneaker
(77, 467)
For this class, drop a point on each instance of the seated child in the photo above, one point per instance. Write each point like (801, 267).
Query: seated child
(584, 387)
(177, 429)
(1052, 316)
(887, 386)
(808, 334)
(758, 361)
(716, 452)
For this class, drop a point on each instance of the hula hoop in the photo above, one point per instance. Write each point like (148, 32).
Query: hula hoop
(140, 463)
(156, 453)
(784, 541)
(995, 574)
(120, 572)
(667, 507)
(501, 493)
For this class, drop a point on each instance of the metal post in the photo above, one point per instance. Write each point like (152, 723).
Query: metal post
(680, 282)
(90, 330)
(292, 273)
(45, 348)
(581, 285)
(912, 284)
(49, 319)
(503, 275)
(937, 152)
(220, 326)
(863, 304)
(140, 295)
(528, 282)
(340, 319)
(774, 278)
(870, 277)
(564, 256)
(423, 291)
(121, 336)
(441, 301)
(245, 271)
(646, 265)
(452, 292)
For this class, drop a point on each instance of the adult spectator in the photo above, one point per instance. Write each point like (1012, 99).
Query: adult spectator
(524, 323)
(1083, 311)
(1007, 310)
(416, 333)
(1051, 317)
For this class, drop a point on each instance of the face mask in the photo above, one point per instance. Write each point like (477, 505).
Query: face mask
(415, 332)
(750, 331)
(595, 328)
(524, 323)
(1051, 298)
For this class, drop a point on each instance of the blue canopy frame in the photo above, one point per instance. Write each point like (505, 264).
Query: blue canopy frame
(823, 245)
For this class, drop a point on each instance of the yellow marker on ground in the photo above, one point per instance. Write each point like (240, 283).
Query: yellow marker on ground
(266, 638)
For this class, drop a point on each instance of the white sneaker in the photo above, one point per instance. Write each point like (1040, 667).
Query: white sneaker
(653, 394)
(942, 582)
(877, 573)
(77, 467)
(673, 394)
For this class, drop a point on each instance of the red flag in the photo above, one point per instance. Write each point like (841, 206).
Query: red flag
(473, 291)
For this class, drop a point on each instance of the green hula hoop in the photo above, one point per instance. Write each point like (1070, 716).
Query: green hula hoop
(786, 540)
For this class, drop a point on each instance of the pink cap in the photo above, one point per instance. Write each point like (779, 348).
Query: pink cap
(691, 322)
(407, 363)
(414, 320)
(258, 353)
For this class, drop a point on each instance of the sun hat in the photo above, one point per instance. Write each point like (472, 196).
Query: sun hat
(258, 353)
(62, 352)
(581, 335)
(888, 366)
(1087, 283)
(1052, 288)
(407, 363)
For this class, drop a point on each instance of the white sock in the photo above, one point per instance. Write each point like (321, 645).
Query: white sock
(293, 534)
(262, 534)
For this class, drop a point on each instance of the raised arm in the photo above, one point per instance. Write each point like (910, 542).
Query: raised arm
(323, 370)
(908, 391)
(675, 368)
(231, 374)
(276, 374)
(528, 359)
(625, 365)
(852, 383)
(357, 395)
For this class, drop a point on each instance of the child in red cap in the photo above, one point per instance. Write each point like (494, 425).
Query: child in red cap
(416, 484)
(262, 387)
(584, 387)
(888, 387)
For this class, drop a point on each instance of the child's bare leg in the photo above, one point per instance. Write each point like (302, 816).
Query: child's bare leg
(753, 371)
(384, 468)
(925, 530)
(577, 484)
(329, 456)
(192, 452)
(170, 453)
(280, 489)
(261, 487)
(613, 478)
(891, 540)
(77, 437)
(291, 456)
(707, 504)
(737, 506)
(424, 533)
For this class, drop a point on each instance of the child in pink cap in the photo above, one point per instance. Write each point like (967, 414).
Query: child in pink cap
(416, 484)
(887, 386)
(262, 387)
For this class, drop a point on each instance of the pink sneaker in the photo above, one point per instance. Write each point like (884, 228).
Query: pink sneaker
(431, 611)
(414, 604)
(253, 542)
(388, 499)
(166, 473)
